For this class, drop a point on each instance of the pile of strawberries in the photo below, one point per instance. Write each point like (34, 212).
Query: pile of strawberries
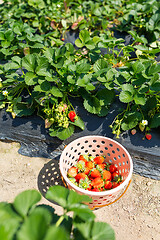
(94, 174)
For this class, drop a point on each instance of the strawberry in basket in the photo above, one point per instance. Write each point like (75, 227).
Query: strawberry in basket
(94, 174)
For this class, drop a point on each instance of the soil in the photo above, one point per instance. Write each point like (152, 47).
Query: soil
(136, 216)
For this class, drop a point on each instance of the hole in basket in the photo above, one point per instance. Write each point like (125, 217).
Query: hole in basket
(119, 171)
(66, 153)
(79, 153)
(90, 146)
(108, 154)
(101, 197)
(71, 148)
(113, 151)
(115, 158)
(120, 164)
(111, 145)
(42, 183)
(75, 150)
(43, 176)
(44, 190)
(52, 164)
(78, 144)
(69, 155)
(95, 200)
(73, 157)
(94, 141)
(123, 163)
(86, 151)
(82, 147)
(86, 141)
(106, 148)
(101, 151)
(53, 168)
(103, 142)
(110, 160)
(98, 146)
(123, 155)
(118, 149)
(93, 150)
(116, 165)
(119, 156)
(47, 181)
(127, 162)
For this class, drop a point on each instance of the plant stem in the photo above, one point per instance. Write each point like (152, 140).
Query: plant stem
(59, 220)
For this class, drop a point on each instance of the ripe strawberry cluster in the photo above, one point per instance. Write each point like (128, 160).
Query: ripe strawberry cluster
(94, 174)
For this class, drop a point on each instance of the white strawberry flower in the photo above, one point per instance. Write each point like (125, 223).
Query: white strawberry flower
(144, 122)
(0, 79)
(5, 92)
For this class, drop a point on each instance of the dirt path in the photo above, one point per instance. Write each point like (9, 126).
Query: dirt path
(136, 216)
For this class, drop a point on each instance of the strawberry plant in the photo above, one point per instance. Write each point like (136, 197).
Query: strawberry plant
(25, 219)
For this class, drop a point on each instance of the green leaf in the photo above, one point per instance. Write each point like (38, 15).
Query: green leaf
(102, 231)
(36, 225)
(104, 111)
(30, 78)
(83, 212)
(62, 133)
(138, 67)
(79, 123)
(105, 96)
(42, 66)
(131, 120)
(45, 86)
(5, 43)
(9, 35)
(128, 87)
(155, 68)
(58, 233)
(22, 109)
(84, 36)
(90, 45)
(139, 99)
(49, 53)
(100, 64)
(25, 201)
(125, 96)
(29, 62)
(92, 104)
(58, 194)
(155, 121)
(82, 67)
(56, 92)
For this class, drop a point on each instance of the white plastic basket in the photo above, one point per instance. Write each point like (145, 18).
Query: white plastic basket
(98, 145)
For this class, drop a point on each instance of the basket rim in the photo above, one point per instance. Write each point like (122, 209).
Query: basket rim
(87, 192)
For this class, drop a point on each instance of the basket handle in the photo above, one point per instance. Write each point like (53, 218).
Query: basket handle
(114, 200)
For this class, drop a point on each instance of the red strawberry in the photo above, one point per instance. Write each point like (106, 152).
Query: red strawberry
(115, 175)
(72, 172)
(98, 160)
(133, 131)
(95, 173)
(112, 168)
(80, 176)
(108, 185)
(72, 115)
(89, 164)
(81, 158)
(95, 190)
(148, 136)
(101, 165)
(86, 171)
(106, 175)
(115, 184)
(97, 182)
(62, 39)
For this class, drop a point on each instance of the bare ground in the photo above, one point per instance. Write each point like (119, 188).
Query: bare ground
(136, 216)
